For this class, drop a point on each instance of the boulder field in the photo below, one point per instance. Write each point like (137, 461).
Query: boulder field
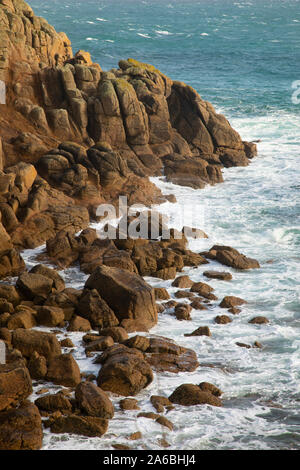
(73, 136)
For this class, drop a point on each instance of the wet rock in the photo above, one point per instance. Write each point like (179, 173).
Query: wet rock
(201, 331)
(171, 304)
(160, 308)
(82, 425)
(132, 326)
(127, 294)
(198, 305)
(202, 289)
(243, 345)
(183, 282)
(78, 323)
(182, 312)
(223, 276)
(160, 403)
(234, 310)
(5, 335)
(121, 447)
(124, 372)
(138, 342)
(29, 341)
(118, 333)
(129, 404)
(161, 293)
(37, 366)
(190, 394)
(21, 428)
(63, 370)
(259, 321)
(231, 301)
(67, 343)
(58, 282)
(15, 384)
(95, 309)
(222, 319)
(57, 402)
(165, 355)
(182, 294)
(93, 401)
(148, 415)
(23, 319)
(163, 421)
(34, 285)
(165, 273)
(101, 344)
(135, 436)
(208, 387)
(231, 257)
(50, 316)
(10, 294)
(6, 306)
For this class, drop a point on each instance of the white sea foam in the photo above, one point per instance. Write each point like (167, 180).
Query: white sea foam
(165, 33)
(144, 35)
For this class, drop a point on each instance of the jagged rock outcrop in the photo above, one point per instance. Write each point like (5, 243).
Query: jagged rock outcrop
(135, 109)
(73, 136)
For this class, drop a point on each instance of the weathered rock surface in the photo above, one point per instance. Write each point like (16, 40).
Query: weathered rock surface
(82, 425)
(57, 402)
(127, 294)
(165, 355)
(223, 276)
(124, 371)
(30, 341)
(231, 257)
(190, 394)
(63, 370)
(93, 401)
(15, 384)
(230, 301)
(21, 428)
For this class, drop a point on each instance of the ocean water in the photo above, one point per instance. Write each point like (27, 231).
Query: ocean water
(243, 57)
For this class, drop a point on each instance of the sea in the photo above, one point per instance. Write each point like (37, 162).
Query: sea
(243, 57)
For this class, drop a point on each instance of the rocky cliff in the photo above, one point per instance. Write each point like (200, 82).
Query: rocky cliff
(73, 135)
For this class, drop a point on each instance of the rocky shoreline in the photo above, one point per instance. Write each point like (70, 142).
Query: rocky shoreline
(73, 137)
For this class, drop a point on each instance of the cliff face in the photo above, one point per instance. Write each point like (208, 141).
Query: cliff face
(74, 135)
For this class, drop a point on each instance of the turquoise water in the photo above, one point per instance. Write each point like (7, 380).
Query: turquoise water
(243, 57)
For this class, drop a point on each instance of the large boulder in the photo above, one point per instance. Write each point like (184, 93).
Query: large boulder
(50, 316)
(11, 263)
(165, 355)
(21, 428)
(93, 401)
(231, 257)
(57, 402)
(127, 294)
(82, 425)
(92, 307)
(15, 384)
(124, 371)
(190, 394)
(30, 341)
(58, 282)
(63, 370)
(34, 285)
